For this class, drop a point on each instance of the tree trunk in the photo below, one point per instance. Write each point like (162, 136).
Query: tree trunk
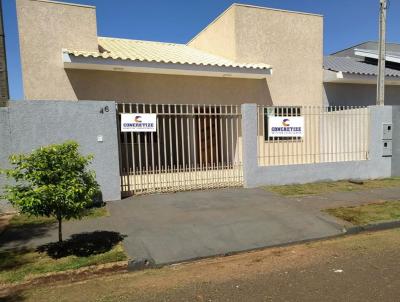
(59, 230)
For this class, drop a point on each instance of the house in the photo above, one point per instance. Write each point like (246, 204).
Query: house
(350, 75)
(248, 54)
(193, 97)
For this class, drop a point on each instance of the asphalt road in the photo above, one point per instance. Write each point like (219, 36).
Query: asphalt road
(354, 268)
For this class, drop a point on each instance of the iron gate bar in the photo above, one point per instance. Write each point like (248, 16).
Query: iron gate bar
(331, 134)
(194, 147)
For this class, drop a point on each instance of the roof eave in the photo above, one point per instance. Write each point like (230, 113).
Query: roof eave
(120, 65)
(373, 55)
(331, 76)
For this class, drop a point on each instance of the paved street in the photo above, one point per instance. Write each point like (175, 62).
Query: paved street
(362, 267)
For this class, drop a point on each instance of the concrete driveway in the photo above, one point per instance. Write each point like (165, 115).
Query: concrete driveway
(176, 227)
(171, 228)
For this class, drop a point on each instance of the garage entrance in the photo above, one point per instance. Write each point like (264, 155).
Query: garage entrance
(193, 147)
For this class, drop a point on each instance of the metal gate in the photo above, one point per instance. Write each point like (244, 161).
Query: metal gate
(194, 147)
(332, 134)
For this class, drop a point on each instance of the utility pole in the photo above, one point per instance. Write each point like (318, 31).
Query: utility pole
(380, 95)
(4, 92)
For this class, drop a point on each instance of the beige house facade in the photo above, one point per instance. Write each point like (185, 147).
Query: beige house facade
(251, 68)
(290, 41)
(247, 55)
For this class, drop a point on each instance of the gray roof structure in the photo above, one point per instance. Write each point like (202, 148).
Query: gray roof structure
(347, 62)
(392, 48)
(355, 66)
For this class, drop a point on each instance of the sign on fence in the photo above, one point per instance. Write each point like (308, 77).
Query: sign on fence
(285, 126)
(138, 122)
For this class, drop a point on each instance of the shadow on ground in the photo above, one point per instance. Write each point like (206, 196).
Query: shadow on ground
(19, 235)
(13, 258)
(83, 244)
(14, 297)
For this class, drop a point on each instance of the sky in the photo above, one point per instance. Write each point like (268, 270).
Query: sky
(346, 22)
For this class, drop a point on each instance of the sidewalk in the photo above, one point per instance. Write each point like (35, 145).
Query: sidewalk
(177, 227)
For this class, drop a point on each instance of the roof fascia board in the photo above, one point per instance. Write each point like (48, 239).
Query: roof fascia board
(349, 78)
(330, 76)
(372, 55)
(73, 62)
(348, 48)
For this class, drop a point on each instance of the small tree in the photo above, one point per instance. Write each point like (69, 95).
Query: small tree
(52, 181)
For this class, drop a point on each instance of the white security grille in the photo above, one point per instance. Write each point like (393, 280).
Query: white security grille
(194, 147)
(330, 134)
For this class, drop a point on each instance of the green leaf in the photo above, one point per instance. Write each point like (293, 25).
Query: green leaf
(52, 181)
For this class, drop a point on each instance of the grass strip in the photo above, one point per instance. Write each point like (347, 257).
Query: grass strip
(19, 265)
(318, 188)
(368, 213)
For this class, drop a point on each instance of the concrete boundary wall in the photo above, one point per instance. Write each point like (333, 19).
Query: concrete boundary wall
(396, 141)
(376, 167)
(27, 125)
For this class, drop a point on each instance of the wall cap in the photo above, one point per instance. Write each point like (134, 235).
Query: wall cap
(65, 3)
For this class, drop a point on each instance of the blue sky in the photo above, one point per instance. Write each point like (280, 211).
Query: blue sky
(346, 22)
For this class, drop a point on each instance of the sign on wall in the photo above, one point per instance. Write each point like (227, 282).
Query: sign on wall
(138, 122)
(285, 126)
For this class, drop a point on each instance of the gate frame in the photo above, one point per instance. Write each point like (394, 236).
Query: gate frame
(186, 125)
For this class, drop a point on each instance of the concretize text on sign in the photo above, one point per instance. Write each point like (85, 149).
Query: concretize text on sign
(285, 126)
(138, 122)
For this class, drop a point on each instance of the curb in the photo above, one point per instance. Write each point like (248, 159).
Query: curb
(373, 227)
(143, 264)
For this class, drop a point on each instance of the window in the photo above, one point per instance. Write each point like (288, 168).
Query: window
(279, 111)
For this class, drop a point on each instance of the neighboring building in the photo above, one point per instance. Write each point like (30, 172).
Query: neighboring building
(350, 75)
(229, 62)
(4, 93)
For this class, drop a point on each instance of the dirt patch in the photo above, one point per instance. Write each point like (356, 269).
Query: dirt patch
(211, 270)
(277, 264)
(157, 280)
(85, 273)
